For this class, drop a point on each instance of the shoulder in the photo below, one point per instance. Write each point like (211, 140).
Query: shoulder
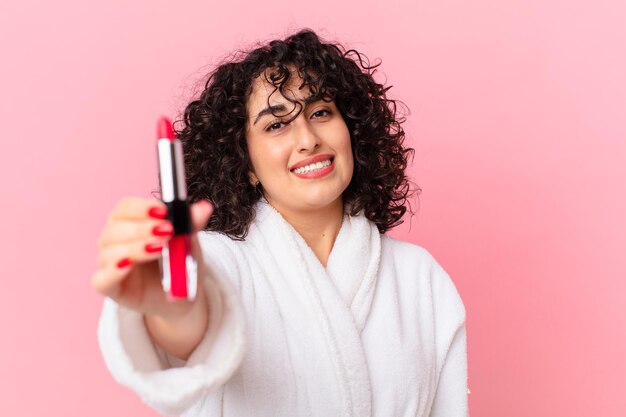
(211, 238)
(417, 264)
(406, 249)
(408, 256)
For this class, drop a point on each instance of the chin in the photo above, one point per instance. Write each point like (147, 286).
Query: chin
(320, 203)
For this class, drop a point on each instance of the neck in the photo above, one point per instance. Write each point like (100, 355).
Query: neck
(319, 228)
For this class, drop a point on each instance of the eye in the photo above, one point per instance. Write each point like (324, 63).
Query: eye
(321, 113)
(275, 125)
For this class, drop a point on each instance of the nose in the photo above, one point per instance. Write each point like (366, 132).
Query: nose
(307, 139)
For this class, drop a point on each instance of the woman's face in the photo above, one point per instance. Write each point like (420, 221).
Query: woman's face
(303, 165)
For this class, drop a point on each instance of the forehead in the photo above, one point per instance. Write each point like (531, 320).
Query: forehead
(262, 90)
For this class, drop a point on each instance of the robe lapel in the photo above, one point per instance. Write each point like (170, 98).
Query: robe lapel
(353, 264)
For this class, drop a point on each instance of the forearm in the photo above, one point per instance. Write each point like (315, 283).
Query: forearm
(451, 397)
(127, 338)
(179, 335)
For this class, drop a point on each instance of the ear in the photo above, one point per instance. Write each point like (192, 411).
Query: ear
(253, 179)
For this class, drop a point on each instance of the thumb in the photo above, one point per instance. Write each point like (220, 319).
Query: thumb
(201, 212)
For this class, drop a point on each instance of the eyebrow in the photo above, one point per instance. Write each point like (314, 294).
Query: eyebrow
(281, 107)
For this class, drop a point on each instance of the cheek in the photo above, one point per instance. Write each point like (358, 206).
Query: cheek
(346, 145)
(278, 151)
(338, 135)
(269, 156)
(348, 152)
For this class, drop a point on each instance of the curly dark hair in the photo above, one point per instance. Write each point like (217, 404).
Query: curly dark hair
(213, 134)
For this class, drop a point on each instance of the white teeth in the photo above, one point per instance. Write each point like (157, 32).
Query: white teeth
(312, 167)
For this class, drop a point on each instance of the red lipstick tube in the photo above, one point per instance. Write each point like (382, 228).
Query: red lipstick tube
(179, 270)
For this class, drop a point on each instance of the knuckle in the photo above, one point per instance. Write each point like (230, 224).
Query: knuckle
(100, 260)
(97, 281)
(123, 206)
(105, 256)
(120, 203)
(142, 229)
(126, 200)
(102, 239)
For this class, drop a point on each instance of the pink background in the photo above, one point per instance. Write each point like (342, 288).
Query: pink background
(519, 122)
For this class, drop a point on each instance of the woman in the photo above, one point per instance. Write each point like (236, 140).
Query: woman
(306, 307)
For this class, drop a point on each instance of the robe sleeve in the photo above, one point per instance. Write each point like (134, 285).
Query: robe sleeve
(168, 384)
(451, 397)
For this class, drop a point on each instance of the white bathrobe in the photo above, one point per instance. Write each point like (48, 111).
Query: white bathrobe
(379, 332)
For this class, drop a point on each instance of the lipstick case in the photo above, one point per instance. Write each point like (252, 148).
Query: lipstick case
(179, 270)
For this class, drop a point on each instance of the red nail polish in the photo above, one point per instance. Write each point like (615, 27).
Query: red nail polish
(162, 230)
(158, 213)
(124, 263)
(153, 247)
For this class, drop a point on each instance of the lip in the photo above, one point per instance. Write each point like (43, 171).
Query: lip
(312, 160)
(317, 173)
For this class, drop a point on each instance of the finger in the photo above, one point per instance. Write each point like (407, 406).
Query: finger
(201, 212)
(137, 251)
(120, 231)
(138, 208)
(107, 281)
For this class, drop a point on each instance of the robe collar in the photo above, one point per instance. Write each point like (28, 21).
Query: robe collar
(353, 262)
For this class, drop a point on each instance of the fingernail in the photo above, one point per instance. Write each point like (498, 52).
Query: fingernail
(124, 263)
(158, 212)
(153, 247)
(163, 230)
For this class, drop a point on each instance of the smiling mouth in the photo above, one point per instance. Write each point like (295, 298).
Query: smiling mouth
(313, 167)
